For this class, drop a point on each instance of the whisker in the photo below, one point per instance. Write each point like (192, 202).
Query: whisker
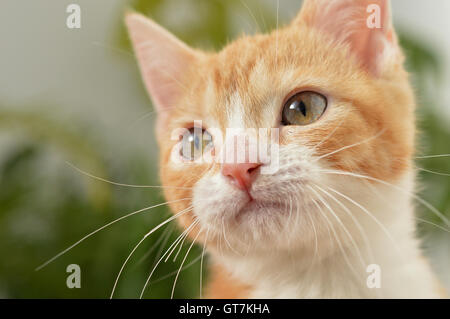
(433, 156)
(121, 184)
(291, 186)
(226, 240)
(112, 48)
(363, 263)
(103, 227)
(201, 262)
(199, 176)
(431, 223)
(173, 273)
(330, 135)
(252, 15)
(164, 255)
(150, 114)
(181, 246)
(160, 250)
(180, 239)
(352, 145)
(142, 240)
(276, 31)
(263, 19)
(355, 221)
(182, 263)
(330, 226)
(290, 207)
(143, 117)
(421, 200)
(163, 238)
(432, 172)
(316, 244)
(369, 214)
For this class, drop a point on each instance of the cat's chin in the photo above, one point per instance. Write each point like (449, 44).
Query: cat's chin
(263, 209)
(260, 225)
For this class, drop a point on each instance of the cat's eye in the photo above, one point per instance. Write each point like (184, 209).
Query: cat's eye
(195, 142)
(304, 108)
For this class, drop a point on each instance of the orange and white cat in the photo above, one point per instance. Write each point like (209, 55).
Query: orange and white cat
(335, 219)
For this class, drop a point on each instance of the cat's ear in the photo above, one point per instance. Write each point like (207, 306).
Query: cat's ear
(365, 25)
(163, 61)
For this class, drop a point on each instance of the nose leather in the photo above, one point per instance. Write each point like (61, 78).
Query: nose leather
(240, 174)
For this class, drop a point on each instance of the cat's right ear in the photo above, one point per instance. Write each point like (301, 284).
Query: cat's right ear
(364, 25)
(163, 60)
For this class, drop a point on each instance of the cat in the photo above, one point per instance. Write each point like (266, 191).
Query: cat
(336, 218)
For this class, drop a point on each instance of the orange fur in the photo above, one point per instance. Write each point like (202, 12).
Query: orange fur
(223, 286)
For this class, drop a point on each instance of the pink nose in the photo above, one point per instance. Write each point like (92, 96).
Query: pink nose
(240, 174)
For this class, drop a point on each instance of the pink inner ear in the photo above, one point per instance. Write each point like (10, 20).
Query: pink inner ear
(163, 61)
(162, 75)
(346, 21)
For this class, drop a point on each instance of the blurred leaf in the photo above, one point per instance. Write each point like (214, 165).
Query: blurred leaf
(44, 131)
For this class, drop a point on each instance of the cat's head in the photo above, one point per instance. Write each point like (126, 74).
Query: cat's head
(331, 83)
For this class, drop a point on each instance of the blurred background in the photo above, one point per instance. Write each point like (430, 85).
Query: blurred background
(74, 97)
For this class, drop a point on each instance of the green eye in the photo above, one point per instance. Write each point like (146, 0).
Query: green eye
(195, 142)
(304, 108)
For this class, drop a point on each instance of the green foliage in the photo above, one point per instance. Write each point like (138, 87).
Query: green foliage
(46, 205)
(434, 134)
(211, 26)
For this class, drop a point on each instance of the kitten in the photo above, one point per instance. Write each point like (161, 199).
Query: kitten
(335, 218)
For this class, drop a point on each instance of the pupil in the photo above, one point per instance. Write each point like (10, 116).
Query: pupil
(303, 108)
(298, 106)
(196, 142)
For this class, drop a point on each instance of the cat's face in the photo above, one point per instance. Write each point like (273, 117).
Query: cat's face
(337, 96)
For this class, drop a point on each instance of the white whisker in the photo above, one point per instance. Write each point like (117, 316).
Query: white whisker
(431, 223)
(421, 200)
(181, 246)
(141, 241)
(201, 263)
(433, 156)
(174, 244)
(352, 145)
(122, 184)
(163, 238)
(112, 48)
(226, 240)
(331, 134)
(252, 15)
(432, 172)
(355, 221)
(330, 226)
(363, 263)
(103, 227)
(173, 273)
(369, 214)
(182, 263)
(276, 31)
(181, 239)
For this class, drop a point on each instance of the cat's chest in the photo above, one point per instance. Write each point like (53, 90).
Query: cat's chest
(282, 278)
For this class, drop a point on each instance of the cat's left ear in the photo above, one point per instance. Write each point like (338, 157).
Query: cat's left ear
(163, 60)
(365, 25)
